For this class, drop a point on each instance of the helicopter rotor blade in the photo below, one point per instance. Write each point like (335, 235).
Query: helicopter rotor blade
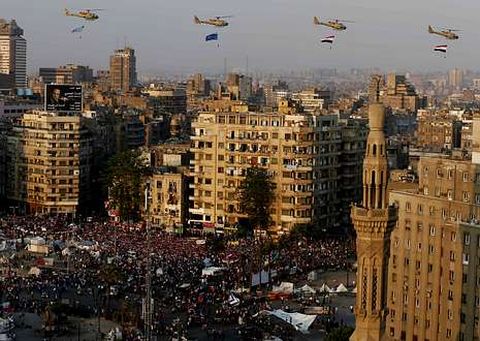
(343, 21)
(224, 16)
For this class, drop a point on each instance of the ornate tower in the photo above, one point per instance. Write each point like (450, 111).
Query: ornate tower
(374, 221)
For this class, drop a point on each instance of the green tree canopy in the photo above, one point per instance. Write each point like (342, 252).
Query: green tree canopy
(341, 333)
(256, 195)
(123, 179)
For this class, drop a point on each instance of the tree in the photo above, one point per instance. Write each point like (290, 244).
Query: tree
(341, 333)
(123, 179)
(256, 194)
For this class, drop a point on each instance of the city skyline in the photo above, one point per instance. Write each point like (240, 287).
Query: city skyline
(274, 35)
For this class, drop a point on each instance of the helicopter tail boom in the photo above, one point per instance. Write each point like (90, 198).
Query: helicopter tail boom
(196, 20)
(430, 29)
(316, 21)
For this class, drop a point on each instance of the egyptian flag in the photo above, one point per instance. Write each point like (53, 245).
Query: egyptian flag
(441, 48)
(328, 40)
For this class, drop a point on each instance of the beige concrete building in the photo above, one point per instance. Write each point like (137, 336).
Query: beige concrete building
(437, 133)
(49, 159)
(123, 72)
(301, 151)
(395, 93)
(455, 78)
(169, 206)
(432, 285)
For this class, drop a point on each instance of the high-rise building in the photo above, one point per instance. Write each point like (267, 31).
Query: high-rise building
(374, 221)
(49, 159)
(455, 78)
(66, 74)
(123, 72)
(13, 52)
(434, 265)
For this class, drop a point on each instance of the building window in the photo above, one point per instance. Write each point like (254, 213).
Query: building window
(420, 209)
(453, 236)
(419, 226)
(408, 224)
(465, 258)
(432, 230)
(408, 207)
(465, 176)
(466, 238)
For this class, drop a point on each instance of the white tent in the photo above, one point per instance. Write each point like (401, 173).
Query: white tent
(35, 271)
(342, 288)
(324, 288)
(354, 290)
(300, 322)
(284, 288)
(306, 289)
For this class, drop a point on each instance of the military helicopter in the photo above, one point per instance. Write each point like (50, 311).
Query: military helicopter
(217, 21)
(445, 32)
(336, 24)
(87, 14)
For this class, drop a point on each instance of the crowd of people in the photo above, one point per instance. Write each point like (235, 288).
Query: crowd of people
(102, 266)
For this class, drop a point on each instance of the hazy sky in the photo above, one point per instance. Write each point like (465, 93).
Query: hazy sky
(275, 34)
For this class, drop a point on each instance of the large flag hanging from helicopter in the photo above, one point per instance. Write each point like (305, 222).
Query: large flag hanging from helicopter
(441, 48)
(328, 40)
(213, 36)
(78, 29)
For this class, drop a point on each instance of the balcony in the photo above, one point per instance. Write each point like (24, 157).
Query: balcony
(200, 211)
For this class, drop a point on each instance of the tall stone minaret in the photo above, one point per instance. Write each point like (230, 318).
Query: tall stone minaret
(374, 221)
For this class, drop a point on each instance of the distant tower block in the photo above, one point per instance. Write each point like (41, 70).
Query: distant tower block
(374, 221)
(175, 126)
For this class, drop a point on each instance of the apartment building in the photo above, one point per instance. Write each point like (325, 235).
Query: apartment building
(302, 152)
(49, 159)
(432, 284)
